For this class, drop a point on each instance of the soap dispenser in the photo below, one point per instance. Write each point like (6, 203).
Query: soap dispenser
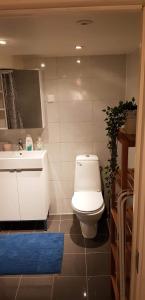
(29, 143)
(39, 145)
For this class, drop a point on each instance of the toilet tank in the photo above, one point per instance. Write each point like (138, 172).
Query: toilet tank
(87, 173)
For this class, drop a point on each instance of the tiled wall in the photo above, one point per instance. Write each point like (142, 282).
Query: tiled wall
(75, 119)
(74, 96)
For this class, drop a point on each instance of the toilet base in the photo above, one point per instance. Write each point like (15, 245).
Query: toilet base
(89, 231)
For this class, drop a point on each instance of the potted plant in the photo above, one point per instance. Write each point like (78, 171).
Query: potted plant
(115, 118)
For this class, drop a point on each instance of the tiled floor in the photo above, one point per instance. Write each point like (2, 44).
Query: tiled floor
(85, 268)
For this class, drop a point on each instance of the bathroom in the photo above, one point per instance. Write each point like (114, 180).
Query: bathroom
(76, 85)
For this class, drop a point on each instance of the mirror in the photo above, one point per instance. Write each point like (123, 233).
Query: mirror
(20, 101)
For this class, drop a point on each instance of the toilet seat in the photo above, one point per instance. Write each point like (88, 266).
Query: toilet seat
(88, 201)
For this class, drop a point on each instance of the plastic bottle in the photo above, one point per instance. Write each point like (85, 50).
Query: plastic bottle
(39, 145)
(29, 143)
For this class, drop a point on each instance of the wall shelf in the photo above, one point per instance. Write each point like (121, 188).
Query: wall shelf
(126, 138)
(114, 287)
(114, 250)
(114, 215)
(124, 181)
(130, 179)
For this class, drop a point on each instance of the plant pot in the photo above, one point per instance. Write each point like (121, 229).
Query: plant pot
(130, 124)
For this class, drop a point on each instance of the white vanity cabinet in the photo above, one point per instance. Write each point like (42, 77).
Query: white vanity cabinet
(24, 186)
(33, 196)
(9, 203)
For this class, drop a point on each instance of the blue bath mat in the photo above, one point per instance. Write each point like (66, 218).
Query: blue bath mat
(34, 253)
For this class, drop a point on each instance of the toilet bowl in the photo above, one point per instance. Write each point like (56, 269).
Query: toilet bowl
(87, 201)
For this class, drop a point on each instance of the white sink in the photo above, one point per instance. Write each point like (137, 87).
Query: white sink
(17, 160)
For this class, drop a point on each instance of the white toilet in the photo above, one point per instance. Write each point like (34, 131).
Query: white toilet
(87, 201)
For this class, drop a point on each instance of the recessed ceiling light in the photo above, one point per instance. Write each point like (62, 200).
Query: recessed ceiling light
(85, 294)
(78, 61)
(43, 65)
(84, 22)
(3, 42)
(78, 47)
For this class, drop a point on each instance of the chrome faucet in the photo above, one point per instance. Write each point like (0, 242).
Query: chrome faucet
(20, 145)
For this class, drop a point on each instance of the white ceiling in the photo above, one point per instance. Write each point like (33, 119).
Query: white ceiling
(56, 34)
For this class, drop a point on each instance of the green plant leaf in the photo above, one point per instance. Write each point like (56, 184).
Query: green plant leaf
(115, 118)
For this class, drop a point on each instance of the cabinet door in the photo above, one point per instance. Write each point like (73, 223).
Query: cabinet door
(27, 87)
(31, 188)
(9, 204)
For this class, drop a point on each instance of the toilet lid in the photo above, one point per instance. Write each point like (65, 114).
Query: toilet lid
(88, 201)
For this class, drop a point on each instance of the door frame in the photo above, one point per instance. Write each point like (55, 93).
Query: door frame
(37, 7)
(33, 8)
(44, 4)
(138, 245)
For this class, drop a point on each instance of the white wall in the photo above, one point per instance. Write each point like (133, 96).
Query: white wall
(75, 95)
(132, 75)
(10, 62)
(132, 89)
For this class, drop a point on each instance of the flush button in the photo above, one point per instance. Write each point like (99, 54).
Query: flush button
(87, 155)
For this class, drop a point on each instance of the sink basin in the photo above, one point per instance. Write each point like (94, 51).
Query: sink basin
(17, 160)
